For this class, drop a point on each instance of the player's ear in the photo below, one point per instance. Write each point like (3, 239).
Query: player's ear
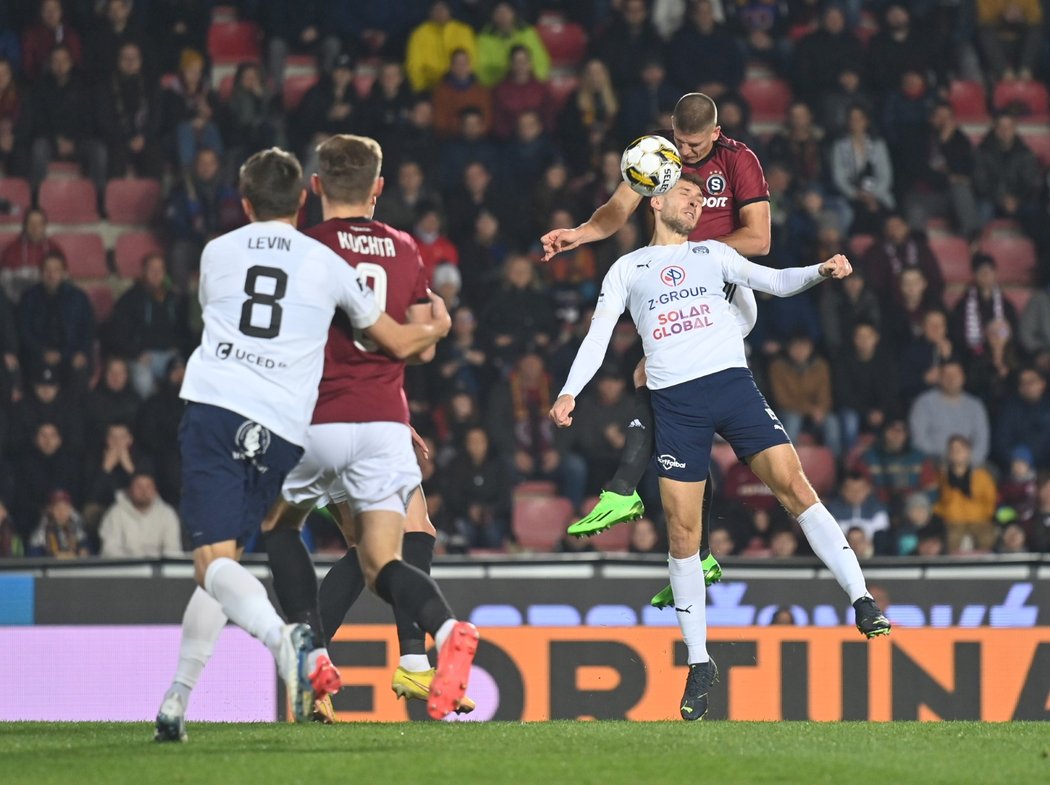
(248, 209)
(315, 185)
(378, 189)
(302, 198)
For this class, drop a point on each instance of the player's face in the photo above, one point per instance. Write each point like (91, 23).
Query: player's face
(695, 147)
(681, 207)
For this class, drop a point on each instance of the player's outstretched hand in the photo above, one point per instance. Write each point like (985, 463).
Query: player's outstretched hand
(837, 266)
(558, 240)
(439, 313)
(561, 412)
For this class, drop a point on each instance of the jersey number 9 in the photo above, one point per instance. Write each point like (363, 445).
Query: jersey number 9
(265, 299)
(374, 276)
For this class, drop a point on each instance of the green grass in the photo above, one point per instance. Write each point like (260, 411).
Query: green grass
(605, 753)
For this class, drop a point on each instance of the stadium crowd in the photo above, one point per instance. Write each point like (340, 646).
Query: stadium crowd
(917, 388)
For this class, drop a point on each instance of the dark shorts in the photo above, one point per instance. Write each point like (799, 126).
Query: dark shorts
(688, 415)
(232, 472)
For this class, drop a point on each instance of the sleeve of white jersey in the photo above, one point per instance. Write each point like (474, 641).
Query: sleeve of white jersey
(611, 303)
(780, 283)
(352, 295)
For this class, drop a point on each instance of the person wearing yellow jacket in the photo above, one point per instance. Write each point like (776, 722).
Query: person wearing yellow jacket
(430, 47)
(499, 37)
(967, 499)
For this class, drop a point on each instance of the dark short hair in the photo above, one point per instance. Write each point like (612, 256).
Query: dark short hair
(695, 113)
(693, 178)
(348, 167)
(958, 437)
(272, 182)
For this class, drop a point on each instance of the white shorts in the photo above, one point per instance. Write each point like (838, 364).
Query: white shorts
(371, 465)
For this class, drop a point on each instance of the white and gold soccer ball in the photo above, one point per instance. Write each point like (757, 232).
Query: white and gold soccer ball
(651, 165)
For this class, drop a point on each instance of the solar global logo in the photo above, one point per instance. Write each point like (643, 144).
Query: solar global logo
(673, 275)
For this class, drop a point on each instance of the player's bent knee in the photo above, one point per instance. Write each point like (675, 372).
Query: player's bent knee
(284, 515)
(204, 555)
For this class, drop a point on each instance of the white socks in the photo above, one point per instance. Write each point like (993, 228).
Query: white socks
(202, 623)
(690, 601)
(829, 544)
(415, 663)
(244, 601)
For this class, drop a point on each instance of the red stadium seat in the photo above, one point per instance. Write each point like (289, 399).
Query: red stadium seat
(102, 299)
(1014, 257)
(998, 226)
(723, 455)
(768, 98)
(969, 101)
(953, 257)
(616, 539)
(85, 254)
(1031, 96)
(562, 85)
(234, 41)
(71, 201)
(536, 488)
(540, 521)
(132, 202)
(295, 87)
(952, 294)
(225, 88)
(131, 249)
(1018, 295)
(566, 42)
(1037, 137)
(14, 190)
(819, 466)
(6, 238)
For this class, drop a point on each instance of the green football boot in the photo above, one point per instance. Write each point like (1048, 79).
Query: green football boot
(612, 508)
(712, 574)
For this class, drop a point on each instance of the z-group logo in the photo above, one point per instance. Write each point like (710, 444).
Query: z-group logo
(673, 275)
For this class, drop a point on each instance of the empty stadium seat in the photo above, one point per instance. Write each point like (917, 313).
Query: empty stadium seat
(819, 466)
(562, 86)
(953, 257)
(15, 191)
(566, 42)
(132, 202)
(233, 41)
(69, 201)
(131, 248)
(540, 521)
(102, 299)
(294, 88)
(1032, 96)
(1014, 257)
(768, 98)
(85, 254)
(969, 101)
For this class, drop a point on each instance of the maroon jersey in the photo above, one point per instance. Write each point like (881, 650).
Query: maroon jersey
(732, 177)
(360, 383)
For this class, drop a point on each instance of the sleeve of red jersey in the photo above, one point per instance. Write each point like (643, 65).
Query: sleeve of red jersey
(419, 291)
(749, 181)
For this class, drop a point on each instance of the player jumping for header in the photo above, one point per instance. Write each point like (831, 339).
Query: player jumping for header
(701, 384)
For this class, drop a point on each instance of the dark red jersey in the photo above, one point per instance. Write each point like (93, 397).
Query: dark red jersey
(732, 177)
(360, 382)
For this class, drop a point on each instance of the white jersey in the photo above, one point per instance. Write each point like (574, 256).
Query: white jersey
(676, 295)
(268, 293)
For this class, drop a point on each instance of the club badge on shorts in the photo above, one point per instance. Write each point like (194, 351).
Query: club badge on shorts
(252, 441)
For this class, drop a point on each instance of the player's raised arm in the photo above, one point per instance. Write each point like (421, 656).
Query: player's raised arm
(781, 283)
(406, 340)
(605, 222)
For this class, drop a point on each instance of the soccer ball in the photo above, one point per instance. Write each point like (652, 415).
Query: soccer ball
(651, 165)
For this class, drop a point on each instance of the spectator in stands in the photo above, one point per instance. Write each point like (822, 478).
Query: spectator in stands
(783, 544)
(761, 26)
(1010, 34)
(461, 362)
(1024, 419)
(200, 207)
(588, 116)
(821, 56)
(835, 106)
(1041, 524)
(943, 183)
(112, 401)
(734, 118)
(1006, 173)
(149, 325)
(599, 432)
(329, 107)
(1018, 489)
(41, 39)
(130, 114)
(118, 460)
(11, 112)
(800, 383)
(703, 55)
(11, 546)
(140, 524)
(863, 173)
(895, 468)
(447, 284)
(20, 263)
(61, 122)
(45, 400)
(470, 146)
(899, 249)
(434, 247)
(56, 325)
(106, 41)
(842, 308)
(554, 192)
(524, 436)
(904, 120)
(857, 507)
(479, 493)
(990, 372)
(157, 429)
(573, 274)
(10, 368)
(1013, 539)
(60, 533)
(252, 111)
(192, 111)
(482, 257)
(520, 316)
(982, 304)
(296, 28)
(415, 140)
(921, 360)
(476, 191)
(895, 49)
(529, 152)
(905, 315)
(966, 500)
(457, 90)
(645, 104)
(389, 102)
(373, 29)
(783, 316)
(948, 411)
(401, 203)
(500, 38)
(1035, 328)
(48, 466)
(916, 522)
(177, 25)
(865, 378)
(625, 41)
(431, 44)
(519, 92)
(799, 146)
(645, 538)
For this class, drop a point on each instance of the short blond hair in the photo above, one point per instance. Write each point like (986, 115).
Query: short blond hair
(348, 167)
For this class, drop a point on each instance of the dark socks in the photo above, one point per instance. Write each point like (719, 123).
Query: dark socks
(294, 579)
(417, 550)
(706, 516)
(638, 447)
(339, 590)
(414, 593)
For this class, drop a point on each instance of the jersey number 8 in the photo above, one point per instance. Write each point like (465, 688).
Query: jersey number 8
(270, 300)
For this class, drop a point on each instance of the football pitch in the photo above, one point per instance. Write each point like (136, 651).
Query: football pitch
(605, 753)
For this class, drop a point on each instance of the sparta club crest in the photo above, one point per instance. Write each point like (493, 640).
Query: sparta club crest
(716, 184)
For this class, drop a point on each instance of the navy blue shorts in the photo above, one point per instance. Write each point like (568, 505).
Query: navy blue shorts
(688, 415)
(232, 472)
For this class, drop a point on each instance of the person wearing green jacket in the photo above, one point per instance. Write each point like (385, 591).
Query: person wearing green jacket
(495, 42)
